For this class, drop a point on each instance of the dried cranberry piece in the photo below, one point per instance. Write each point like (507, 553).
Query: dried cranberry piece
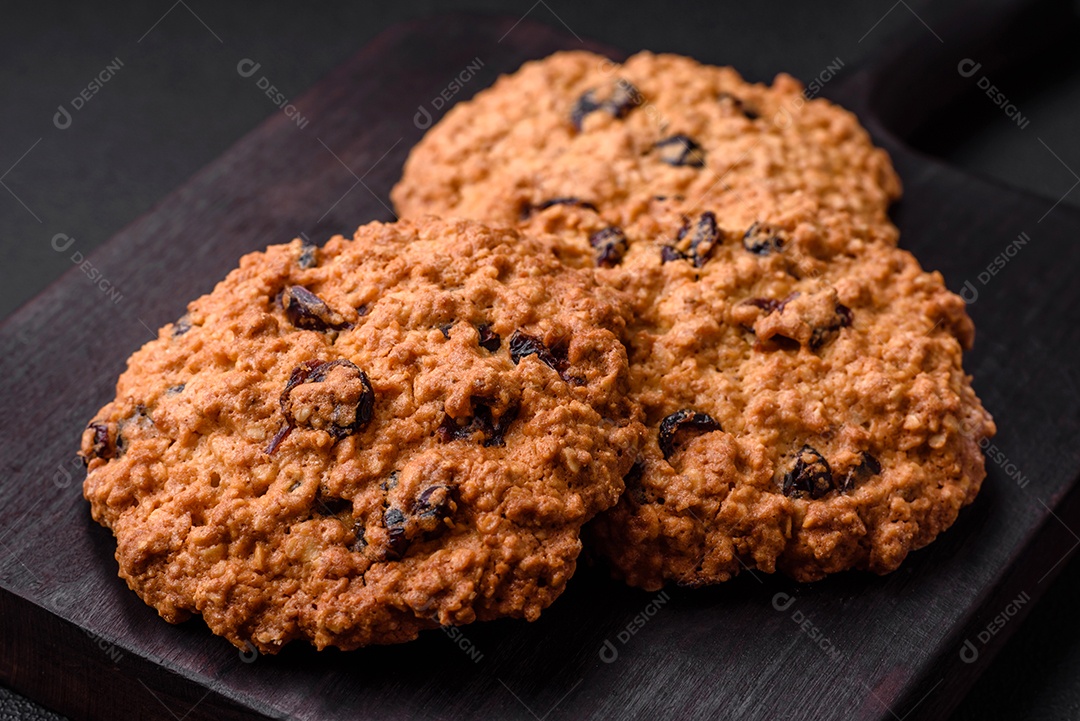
(529, 209)
(706, 236)
(398, 540)
(489, 339)
(308, 256)
(327, 505)
(624, 98)
(181, 326)
(771, 305)
(822, 335)
(585, 104)
(868, 468)
(434, 501)
(681, 150)
(317, 371)
(426, 518)
(449, 430)
(684, 420)
(306, 310)
(762, 239)
(102, 445)
(610, 244)
(391, 482)
(482, 422)
(523, 344)
(433, 506)
(811, 476)
(669, 253)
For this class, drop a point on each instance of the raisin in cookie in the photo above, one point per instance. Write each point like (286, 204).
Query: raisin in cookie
(353, 443)
(575, 134)
(807, 411)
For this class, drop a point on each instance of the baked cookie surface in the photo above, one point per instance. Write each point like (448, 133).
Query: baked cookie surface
(801, 377)
(352, 443)
(805, 415)
(576, 129)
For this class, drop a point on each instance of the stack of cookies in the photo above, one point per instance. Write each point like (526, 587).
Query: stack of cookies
(648, 297)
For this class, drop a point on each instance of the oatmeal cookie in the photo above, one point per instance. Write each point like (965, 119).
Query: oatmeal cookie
(807, 412)
(800, 375)
(577, 131)
(352, 443)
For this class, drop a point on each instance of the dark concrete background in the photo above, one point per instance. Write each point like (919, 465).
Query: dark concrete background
(177, 102)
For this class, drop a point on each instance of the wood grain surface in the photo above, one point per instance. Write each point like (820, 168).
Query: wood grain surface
(856, 646)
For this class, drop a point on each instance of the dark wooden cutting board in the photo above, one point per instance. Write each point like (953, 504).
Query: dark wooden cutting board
(853, 647)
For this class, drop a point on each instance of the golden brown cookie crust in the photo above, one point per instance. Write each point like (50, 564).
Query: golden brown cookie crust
(662, 126)
(366, 460)
(853, 362)
(769, 299)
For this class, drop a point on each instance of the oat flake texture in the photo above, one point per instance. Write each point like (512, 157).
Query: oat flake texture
(800, 375)
(336, 444)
